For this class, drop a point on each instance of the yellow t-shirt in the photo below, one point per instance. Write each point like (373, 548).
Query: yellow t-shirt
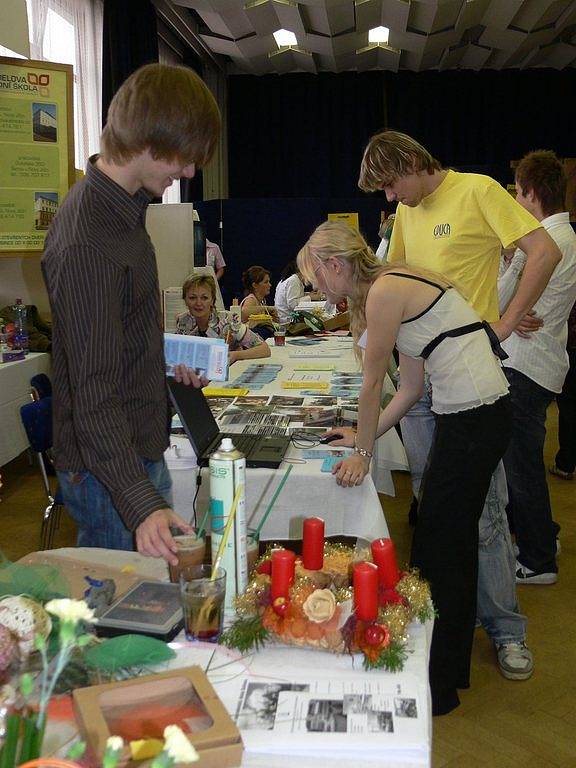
(458, 231)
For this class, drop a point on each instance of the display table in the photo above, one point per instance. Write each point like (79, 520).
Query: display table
(403, 743)
(355, 512)
(15, 392)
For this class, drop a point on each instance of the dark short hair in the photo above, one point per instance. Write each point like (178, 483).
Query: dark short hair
(542, 173)
(254, 275)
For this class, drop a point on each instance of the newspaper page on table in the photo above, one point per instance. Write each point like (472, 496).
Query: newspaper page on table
(207, 356)
(367, 713)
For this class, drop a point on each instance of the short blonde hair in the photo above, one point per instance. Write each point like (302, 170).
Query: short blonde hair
(195, 281)
(390, 155)
(168, 110)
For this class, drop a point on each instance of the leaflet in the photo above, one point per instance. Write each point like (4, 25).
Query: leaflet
(207, 356)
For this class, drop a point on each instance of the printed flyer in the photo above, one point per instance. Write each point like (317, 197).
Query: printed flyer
(36, 149)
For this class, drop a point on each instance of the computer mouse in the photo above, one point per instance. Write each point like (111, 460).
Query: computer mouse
(331, 438)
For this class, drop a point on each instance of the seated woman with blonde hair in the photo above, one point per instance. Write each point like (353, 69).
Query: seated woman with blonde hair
(201, 319)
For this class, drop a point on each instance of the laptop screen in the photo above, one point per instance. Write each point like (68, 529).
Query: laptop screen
(195, 415)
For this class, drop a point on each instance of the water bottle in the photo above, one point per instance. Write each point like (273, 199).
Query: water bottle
(20, 338)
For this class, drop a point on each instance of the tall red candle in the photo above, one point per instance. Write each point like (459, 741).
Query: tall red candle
(384, 555)
(283, 563)
(365, 580)
(313, 544)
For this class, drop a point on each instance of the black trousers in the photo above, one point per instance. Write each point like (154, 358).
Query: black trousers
(465, 450)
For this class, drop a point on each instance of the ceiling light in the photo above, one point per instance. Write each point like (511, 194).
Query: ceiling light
(378, 35)
(285, 38)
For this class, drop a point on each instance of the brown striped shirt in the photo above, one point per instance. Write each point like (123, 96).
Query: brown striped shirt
(109, 390)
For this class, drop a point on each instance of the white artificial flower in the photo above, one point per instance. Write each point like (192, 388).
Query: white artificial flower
(71, 611)
(115, 743)
(177, 746)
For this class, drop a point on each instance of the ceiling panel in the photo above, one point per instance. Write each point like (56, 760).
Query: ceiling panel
(332, 35)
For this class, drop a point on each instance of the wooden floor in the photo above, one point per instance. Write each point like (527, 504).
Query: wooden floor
(500, 723)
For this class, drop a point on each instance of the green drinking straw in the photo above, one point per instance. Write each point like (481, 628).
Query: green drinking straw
(256, 533)
(203, 522)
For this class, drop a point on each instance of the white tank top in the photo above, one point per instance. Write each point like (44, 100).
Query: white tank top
(464, 371)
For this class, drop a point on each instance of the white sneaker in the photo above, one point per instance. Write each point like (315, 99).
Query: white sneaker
(515, 660)
(526, 576)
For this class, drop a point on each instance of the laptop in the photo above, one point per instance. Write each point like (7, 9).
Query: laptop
(202, 431)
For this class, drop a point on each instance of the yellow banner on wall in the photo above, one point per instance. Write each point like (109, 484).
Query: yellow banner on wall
(348, 218)
(36, 149)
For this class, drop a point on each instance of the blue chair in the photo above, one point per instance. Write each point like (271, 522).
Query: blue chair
(40, 386)
(37, 420)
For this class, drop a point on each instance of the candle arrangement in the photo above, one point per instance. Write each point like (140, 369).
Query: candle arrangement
(333, 598)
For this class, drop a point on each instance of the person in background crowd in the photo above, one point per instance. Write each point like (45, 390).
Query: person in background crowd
(456, 224)
(110, 399)
(257, 287)
(289, 291)
(565, 461)
(435, 329)
(215, 259)
(201, 319)
(536, 368)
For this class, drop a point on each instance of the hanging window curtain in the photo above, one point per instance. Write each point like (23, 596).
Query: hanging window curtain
(70, 32)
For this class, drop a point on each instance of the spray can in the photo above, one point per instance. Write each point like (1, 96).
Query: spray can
(227, 472)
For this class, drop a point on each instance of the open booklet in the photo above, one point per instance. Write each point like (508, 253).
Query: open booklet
(363, 716)
(207, 356)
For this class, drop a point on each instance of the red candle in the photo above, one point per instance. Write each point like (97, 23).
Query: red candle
(283, 562)
(384, 555)
(313, 544)
(365, 580)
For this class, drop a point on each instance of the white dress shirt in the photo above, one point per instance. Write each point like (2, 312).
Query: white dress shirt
(543, 357)
(288, 294)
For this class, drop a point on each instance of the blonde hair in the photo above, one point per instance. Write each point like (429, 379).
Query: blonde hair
(388, 156)
(195, 281)
(168, 110)
(334, 239)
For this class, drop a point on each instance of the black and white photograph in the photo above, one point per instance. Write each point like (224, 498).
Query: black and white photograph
(259, 702)
(326, 715)
(380, 722)
(405, 707)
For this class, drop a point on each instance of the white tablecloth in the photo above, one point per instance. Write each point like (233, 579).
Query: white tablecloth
(308, 491)
(15, 392)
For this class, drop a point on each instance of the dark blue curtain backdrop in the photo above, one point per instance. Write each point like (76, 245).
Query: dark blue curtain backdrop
(300, 135)
(303, 135)
(129, 40)
(271, 231)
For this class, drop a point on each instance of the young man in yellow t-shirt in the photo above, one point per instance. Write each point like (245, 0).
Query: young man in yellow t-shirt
(456, 224)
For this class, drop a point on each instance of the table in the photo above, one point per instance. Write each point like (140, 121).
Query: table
(355, 512)
(15, 392)
(228, 670)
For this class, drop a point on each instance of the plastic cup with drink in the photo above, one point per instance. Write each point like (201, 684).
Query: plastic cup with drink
(202, 594)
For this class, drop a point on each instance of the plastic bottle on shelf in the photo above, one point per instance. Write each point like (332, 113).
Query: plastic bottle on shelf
(20, 338)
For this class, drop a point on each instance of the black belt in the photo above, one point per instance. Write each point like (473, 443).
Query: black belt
(461, 331)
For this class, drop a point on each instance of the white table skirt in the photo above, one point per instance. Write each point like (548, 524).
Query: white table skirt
(15, 392)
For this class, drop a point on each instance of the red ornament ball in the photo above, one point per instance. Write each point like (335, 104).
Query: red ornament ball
(265, 567)
(280, 606)
(375, 634)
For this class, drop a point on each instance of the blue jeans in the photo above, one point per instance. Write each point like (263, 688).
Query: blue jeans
(90, 505)
(497, 606)
(526, 474)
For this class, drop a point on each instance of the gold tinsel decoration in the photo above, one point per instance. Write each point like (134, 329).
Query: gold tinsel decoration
(416, 591)
(248, 603)
(396, 617)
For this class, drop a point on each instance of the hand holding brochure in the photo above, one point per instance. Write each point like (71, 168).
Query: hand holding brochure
(207, 356)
